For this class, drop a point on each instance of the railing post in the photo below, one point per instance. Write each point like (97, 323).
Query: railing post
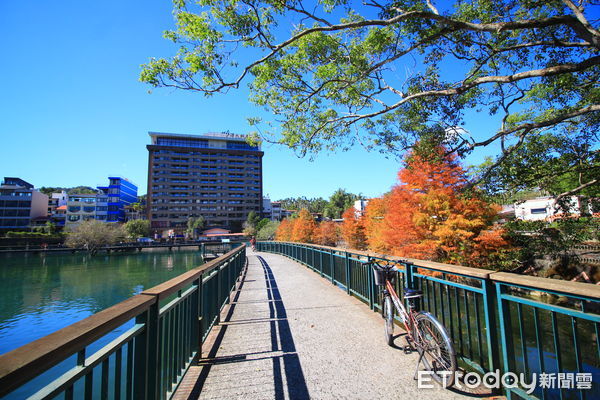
(332, 264)
(408, 268)
(347, 265)
(197, 317)
(321, 262)
(370, 285)
(154, 364)
(491, 300)
(140, 360)
(219, 300)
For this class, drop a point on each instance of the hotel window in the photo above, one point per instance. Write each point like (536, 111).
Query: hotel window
(538, 211)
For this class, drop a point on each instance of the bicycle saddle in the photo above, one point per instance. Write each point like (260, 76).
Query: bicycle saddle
(412, 293)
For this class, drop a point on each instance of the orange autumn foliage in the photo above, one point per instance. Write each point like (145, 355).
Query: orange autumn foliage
(284, 230)
(428, 218)
(304, 227)
(374, 224)
(327, 233)
(353, 231)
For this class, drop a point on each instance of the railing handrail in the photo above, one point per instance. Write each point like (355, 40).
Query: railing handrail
(30, 360)
(26, 362)
(555, 285)
(169, 287)
(561, 286)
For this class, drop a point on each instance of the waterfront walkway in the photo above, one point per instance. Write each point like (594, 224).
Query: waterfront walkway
(290, 334)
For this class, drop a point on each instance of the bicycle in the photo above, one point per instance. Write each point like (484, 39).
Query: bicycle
(424, 332)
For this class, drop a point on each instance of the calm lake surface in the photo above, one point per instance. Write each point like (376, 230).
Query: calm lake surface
(40, 294)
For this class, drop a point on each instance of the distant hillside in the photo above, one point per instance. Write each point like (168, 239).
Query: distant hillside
(74, 190)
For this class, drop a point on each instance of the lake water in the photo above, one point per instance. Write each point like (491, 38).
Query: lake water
(40, 294)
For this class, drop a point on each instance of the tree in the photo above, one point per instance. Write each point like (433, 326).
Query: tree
(329, 73)
(250, 225)
(137, 228)
(194, 225)
(374, 224)
(284, 231)
(82, 190)
(268, 231)
(262, 223)
(93, 235)
(429, 217)
(339, 201)
(353, 230)
(253, 218)
(314, 205)
(304, 227)
(327, 233)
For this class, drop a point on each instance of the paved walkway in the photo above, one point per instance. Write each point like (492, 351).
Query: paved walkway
(290, 334)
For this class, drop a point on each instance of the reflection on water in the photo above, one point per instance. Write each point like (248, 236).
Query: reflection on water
(40, 294)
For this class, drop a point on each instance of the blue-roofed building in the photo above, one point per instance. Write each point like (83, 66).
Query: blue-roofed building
(121, 193)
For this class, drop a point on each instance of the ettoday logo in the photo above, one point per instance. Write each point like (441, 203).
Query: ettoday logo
(509, 380)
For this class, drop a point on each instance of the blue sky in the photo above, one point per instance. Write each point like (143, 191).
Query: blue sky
(72, 111)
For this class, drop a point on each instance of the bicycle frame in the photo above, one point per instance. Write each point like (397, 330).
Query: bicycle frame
(405, 315)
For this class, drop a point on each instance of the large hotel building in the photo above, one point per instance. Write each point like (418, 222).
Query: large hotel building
(215, 175)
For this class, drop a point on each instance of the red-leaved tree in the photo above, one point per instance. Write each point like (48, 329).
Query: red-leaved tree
(304, 227)
(353, 230)
(428, 217)
(327, 234)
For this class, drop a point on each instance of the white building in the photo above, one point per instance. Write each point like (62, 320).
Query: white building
(276, 211)
(56, 200)
(267, 209)
(85, 207)
(545, 208)
(360, 206)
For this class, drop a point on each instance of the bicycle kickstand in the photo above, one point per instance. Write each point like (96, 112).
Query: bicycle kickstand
(418, 364)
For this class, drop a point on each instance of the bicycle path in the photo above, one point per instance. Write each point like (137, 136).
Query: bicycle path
(290, 334)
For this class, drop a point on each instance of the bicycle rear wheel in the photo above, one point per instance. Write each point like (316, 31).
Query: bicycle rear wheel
(434, 344)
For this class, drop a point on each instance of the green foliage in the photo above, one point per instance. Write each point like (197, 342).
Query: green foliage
(194, 225)
(93, 235)
(13, 234)
(314, 205)
(253, 218)
(571, 160)
(261, 224)
(339, 202)
(267, 231)
(47, 190)
(82, 190)
(391, 73)
(251, 225)
(137, 228)
(536, 239)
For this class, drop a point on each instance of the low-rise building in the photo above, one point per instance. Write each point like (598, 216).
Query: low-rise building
(20, 203)
(121, 193)
(56, 200)
(80, 207)
(267, 208)
(547, 208)
(276, 211)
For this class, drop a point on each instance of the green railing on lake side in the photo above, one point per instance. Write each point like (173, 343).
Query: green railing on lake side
(498, 321)
(163, 330)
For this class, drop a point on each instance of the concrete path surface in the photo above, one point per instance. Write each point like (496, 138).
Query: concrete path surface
(290, 334)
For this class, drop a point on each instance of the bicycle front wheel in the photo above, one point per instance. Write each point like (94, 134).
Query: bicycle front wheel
(388, 317)
(434, 344)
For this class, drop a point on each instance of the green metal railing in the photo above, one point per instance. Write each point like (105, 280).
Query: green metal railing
(159, 335)
(498, 321)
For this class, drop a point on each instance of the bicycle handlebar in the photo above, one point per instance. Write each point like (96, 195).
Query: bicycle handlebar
(390, 264)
